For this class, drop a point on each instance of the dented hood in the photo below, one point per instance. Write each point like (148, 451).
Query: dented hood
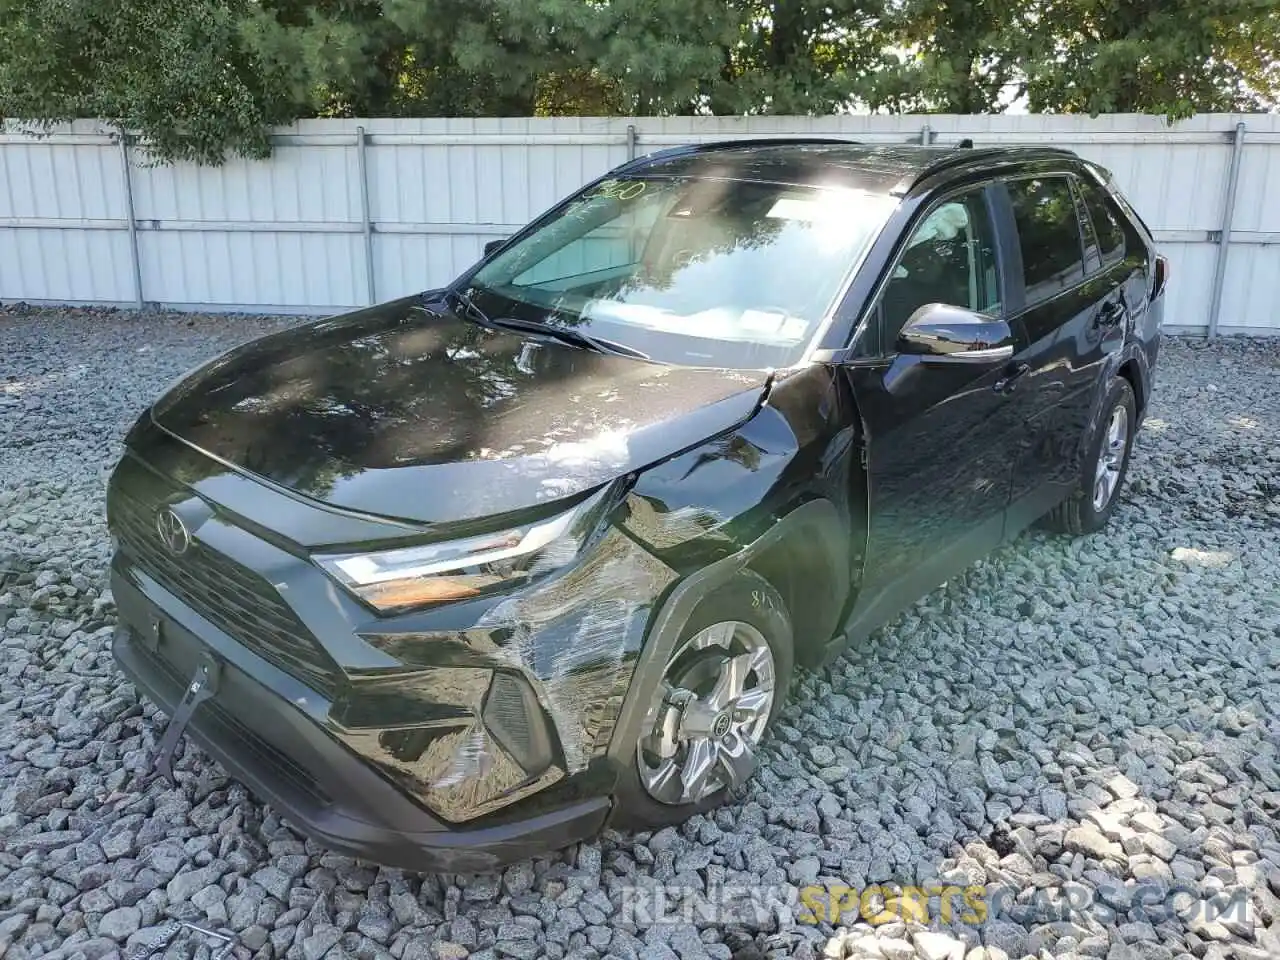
(399, 412)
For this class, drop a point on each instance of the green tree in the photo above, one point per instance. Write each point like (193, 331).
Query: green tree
(200, 79)
(801, 57)
(629, 56)
(665, 54)
(1175, 58)
(179, 72)
(961, 56)
(383, 58)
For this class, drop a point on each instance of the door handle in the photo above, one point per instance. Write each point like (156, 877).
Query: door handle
(1009, 382)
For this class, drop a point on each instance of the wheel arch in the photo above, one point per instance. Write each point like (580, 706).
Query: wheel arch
(812, 574)
(1129, 365)
(1132, 369)
(816, 524)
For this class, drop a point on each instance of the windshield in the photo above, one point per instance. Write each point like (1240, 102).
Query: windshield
(698, 272)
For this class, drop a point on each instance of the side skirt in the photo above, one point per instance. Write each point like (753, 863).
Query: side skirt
(872, 612)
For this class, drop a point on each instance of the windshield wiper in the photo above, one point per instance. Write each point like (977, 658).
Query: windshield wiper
(572, 336)
(469, 308)
(564, 334)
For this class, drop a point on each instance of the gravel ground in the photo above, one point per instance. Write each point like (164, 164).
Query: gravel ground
(1087, 730)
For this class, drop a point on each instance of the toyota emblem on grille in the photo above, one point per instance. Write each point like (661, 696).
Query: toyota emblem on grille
(173, 532)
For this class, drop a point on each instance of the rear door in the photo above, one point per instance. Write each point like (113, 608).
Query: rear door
(1123, 257)
(1070, 319)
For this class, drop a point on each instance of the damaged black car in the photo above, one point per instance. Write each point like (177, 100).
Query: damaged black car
(468, 576)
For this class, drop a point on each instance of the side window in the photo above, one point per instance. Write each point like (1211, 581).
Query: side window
(1108, 222)
(1048, 235)
(1092, 259)
(949, 258)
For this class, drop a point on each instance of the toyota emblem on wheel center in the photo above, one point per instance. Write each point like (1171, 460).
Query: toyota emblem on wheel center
(173, 532)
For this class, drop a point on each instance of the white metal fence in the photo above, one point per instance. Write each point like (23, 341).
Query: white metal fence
(348, 212)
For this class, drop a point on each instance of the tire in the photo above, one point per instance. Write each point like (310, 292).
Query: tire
(1080, 513)
(747, 599)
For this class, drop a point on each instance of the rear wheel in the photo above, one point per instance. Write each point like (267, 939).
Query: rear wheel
(721, 687)
(1105, 466)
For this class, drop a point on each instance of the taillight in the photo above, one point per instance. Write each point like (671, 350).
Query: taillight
(1159, 276)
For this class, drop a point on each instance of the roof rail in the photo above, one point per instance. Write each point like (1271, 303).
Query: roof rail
(967, 153)
(714, 145)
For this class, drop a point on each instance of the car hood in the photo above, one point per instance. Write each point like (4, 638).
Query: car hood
(402, 412)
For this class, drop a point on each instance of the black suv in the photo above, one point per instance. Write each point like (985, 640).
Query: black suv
(466, 576)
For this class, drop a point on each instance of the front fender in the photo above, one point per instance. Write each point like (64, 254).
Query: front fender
(818, 522)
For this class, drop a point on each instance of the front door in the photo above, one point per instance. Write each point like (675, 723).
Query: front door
(938, 438)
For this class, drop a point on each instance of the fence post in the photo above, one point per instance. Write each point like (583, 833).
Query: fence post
(1224, 241)
(134, 259)
(631, 141)
(362, 166)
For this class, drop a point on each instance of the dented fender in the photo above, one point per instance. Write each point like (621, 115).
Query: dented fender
(566, 646)
(817, 520)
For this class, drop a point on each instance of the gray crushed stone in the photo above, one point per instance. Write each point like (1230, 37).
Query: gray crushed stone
(1095, 722)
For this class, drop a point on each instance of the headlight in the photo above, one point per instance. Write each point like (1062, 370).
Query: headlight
(459, 569)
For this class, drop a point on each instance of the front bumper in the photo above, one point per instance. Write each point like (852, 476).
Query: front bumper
(455, 738)
(277, 748)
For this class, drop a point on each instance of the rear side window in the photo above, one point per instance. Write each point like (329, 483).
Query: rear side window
(1108, 222)
(1048, 235)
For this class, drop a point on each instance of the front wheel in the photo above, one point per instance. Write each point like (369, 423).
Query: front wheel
(721, 688)
(1105, 467)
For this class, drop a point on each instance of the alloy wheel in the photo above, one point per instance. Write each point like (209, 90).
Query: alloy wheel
(712, 709)
(1111, 458)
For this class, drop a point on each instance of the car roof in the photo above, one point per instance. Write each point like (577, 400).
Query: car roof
(893, 168)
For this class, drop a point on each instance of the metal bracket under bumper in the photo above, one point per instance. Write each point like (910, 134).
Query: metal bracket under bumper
(202, 686)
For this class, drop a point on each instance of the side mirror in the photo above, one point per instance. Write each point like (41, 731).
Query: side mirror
(493, 246)
(942, 334)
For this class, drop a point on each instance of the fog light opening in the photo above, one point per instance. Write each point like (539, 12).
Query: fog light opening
(514, 719)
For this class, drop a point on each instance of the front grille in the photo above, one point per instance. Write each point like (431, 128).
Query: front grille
(233, 598)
